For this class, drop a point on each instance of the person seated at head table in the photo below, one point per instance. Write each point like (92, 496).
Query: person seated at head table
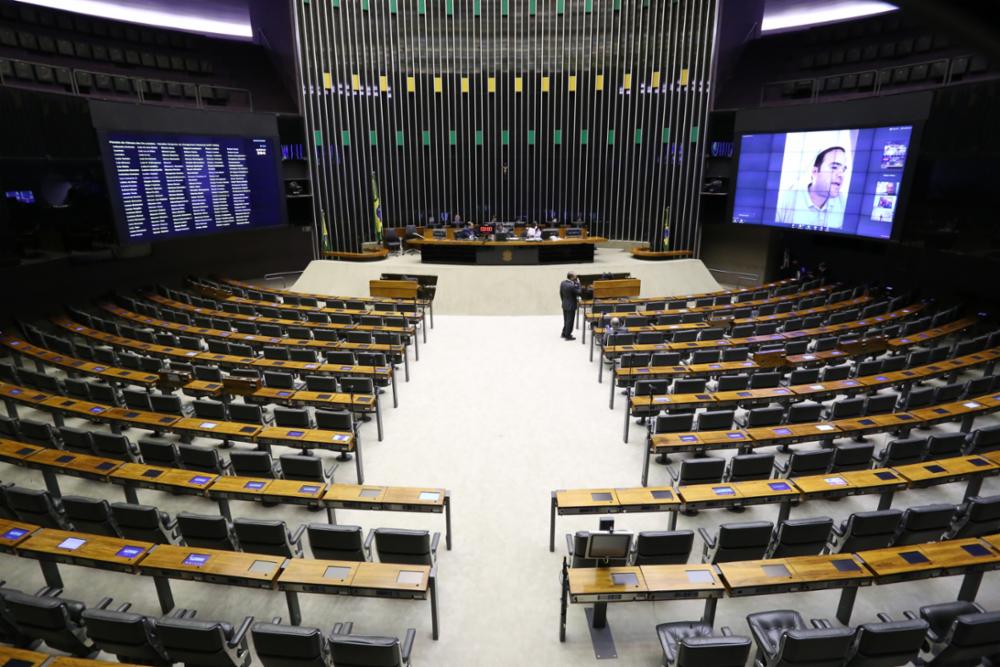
(468, 233)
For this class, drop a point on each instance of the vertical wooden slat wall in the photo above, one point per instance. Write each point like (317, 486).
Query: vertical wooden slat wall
(579, 110)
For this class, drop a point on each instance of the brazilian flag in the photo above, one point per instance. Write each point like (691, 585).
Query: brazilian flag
(666, 228)
(327, 246)
(376, 209)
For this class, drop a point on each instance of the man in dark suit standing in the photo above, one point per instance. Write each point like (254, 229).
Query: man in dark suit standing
(569, 290)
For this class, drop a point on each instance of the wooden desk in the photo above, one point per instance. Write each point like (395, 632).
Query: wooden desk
(396, 289)
(564, 250)
(611, 501)
(25, 657)
(51, 547)
(407, 582)
(314, 438)
(72, 365)
(606, 289)
(390, 499)
(66, 661)
(173, 480)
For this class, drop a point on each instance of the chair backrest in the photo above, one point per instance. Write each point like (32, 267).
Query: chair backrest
(673, 423)
(142, 522)
(157, 451)
(970, 638)
(803, 376)
(847, 408)
(870, 530)
(321, 383)
(745, 467)
(203, 643)
(206, 408)
(809, 462)
(742, 541)
(35, 506)
(701, 471)
(198, 458)
(903, 452)
(246, 413)
(983, 440)
(252, 463)
(802, 413)
(714, 651)
(663, 547)
(131, 637)
(926, 523)
(335, 420)
(881, 403)
(364, 651)
(336, 542)
(919, 397)
(302, 467)
(264, 537)
(290, 646)
(51, 619)
(279, 380)
(980, 517)
(76, 440)
(765, 380)
(688, 386)
(206, 531)
(90, 515)
(813, 648)
(887, 644)
(768, 416)
(113, 445)
(852, 456)
(831, 373)
(800, 537)
(409, 547)
(733, 382)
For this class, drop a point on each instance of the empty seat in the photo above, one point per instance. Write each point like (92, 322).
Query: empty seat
(694, 644)
(887, 644)
(35, 506)
(159, 452)
(206, 531)
(979, 516)
(698, 471)
(765, 380)
(247, 413)
(336, 542)
(783, 639)
(292, 417)
(56, 621)
(202, 459)
(809, 462)
(89, 515)
(663, 547)
(800, 537)
(983, 440)
(803, 413)
(852, 456)
(732, 382)
(736, 541)
(205, 643)
(944, 445)
(279, 645)
(715, 420)
(846, 408)
(745, 467)
(880, 403)
(926, 523)
(268, 537)
(351, 650)
(902, 452)
(769, 416)
(960, 633)
(115, 446)
(206, 408)
(38, 433)
(130, 637)
(254, 464)
(305, 468)
(75, 440)
(145, 523)
(865, 530)
(407, 547)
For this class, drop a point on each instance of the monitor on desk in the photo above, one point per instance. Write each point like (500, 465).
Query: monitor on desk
(608, 546)
(549, 233)
(574, 232)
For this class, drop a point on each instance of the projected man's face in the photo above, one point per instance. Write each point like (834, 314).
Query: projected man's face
(829, 176)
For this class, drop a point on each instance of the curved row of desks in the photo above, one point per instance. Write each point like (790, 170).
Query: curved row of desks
(164, 562)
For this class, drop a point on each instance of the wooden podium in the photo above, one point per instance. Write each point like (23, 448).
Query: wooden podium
(394, 289)
(612, 289)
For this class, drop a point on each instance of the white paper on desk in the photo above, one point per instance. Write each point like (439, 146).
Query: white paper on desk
(972, 404)
(207, 425)
(824, 427)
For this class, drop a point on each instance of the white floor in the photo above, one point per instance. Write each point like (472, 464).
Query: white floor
(501, 411)
(506, 290)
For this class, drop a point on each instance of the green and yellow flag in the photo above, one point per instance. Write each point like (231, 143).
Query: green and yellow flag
(376, 209)
(666, 228)
(327, 246)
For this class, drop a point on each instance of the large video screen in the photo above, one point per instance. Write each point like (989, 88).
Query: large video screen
(838, 181)
(167, 186)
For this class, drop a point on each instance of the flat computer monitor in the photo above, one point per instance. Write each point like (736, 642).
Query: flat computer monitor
(549, 233)
(608, 546)
(573, 232)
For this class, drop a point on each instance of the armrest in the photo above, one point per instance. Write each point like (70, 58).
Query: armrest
(434, 543)
(241, 632)
(407, 644)
(276, 620)
(47, 592)
(726, 631)
(838, 531)
(910, 615)
(569, 544)
(297, 535)
(821, 624)
(781, 467)
(225, 464)
(673, 474)
(342, 628)
(328, 472)
(709, 540)
(124, 607)
(104, 603)
(369, 540)
(884, 617)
